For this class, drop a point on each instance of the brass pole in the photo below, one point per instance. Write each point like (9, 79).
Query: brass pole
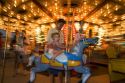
(4, 56)
(67, 23)
(67, 35)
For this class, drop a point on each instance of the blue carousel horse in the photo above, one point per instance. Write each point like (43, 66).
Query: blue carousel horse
(65, 61)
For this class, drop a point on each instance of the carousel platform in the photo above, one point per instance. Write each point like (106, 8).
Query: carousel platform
(99, 74)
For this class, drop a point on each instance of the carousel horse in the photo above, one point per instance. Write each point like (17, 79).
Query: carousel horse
(65, 61)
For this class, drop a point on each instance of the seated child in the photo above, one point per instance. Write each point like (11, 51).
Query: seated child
(55, 48)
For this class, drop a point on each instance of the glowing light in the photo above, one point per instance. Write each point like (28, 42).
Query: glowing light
(18, 16)
(24, 7)
(107, 6)
(50, 9)
(54, 14)
(96, 3)
(25, 18)
(75, 18)
(85, 26)
(92, 18)
(51, 20)
(77, 25)
(55, 4)
(34, 14)
(1, 21)
(115, 18)
(38, 10)
(38, 30)
(58, 16)
(46, 4)
(96, 28)
(105, 15)
(23, 0)
(123, 17)
(100, 22)
(12, 13)
(101, 11)
(108, 11)
(31, 5)
(61, 11)
(8, 6)
(15, 3)
(101, 33)
(29, 15)
(85, 3)
(53, 25)
(5, 9)
(116, 7)
(43, 28)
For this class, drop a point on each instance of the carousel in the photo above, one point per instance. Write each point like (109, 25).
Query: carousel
(100, 22)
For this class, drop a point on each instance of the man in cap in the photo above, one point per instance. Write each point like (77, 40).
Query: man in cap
(58, 28)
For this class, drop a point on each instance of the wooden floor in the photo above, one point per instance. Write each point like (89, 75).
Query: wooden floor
(8, 78)
(99, 75)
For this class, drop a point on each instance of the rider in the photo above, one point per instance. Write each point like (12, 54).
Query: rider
(55, 48)
(57, 29)
(38, 68)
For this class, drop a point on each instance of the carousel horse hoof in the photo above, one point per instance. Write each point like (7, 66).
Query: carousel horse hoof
(30, 82)
(28, 67)
(80, 81)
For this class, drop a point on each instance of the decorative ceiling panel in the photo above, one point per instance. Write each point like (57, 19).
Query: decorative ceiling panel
(33, 13)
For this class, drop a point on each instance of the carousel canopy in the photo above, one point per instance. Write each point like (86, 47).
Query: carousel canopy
(31, 13)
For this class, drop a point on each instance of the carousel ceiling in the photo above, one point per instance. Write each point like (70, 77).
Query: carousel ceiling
(31, 13)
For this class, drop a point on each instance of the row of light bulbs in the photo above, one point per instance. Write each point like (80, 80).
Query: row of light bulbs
(76, 17)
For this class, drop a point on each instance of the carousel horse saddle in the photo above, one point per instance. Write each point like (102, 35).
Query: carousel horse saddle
(64, 57)
(61, 58)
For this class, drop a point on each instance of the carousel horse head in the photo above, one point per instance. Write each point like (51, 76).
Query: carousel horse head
(84, 43)
(90, 41)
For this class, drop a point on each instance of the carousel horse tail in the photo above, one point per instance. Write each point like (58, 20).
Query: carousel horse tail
(38, 68)
(34, 70)
(31, 59)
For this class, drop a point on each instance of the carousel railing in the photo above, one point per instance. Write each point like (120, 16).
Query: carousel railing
(116, 65)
